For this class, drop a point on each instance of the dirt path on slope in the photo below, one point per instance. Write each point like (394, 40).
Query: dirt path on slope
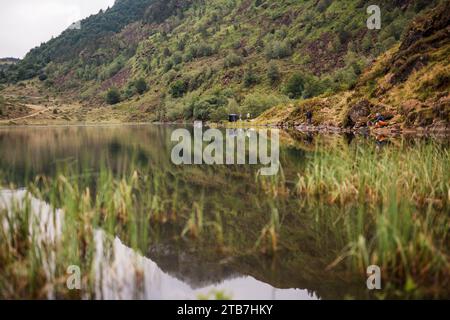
(39, 110)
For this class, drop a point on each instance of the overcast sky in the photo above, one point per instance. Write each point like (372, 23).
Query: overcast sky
(25, 24)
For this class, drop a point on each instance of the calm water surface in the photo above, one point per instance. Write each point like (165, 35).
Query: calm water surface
(171, 267)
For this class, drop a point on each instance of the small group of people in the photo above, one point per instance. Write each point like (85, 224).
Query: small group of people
(379, 122)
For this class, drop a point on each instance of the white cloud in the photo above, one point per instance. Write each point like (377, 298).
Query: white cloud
(25, 24)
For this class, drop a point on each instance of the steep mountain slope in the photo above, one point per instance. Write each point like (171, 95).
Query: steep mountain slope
(173, 60)
(410, 84)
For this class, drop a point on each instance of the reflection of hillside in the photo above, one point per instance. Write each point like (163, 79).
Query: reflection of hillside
(40, 147)
(145, 279)
(203, 266)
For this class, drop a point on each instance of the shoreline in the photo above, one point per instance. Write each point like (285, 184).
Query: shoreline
(301, 128)
(325, 129)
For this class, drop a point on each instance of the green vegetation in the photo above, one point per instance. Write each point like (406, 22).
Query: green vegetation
(232, 60)
(113, 96)
(141, 86)
(375, 206)
(257, 103)
(2, 105)
(278, 50)
(400, 194)
(295, 86)
(273, 73)
(406, 84)
(184, 47)
(178, 88)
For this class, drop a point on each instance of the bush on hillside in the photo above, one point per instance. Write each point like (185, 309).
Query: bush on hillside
(141, 86)
(202, 108)
(257, 103)
(177, 58)
(232, 60)
(295, 86)
(178, 88)
(278, 50)
(273, 73)
(250, 78)
(43, 77)
(113, 96)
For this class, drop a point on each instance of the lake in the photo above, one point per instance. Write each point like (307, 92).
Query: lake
(110, 201)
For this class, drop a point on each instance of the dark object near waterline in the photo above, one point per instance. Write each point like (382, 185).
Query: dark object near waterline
(233, 118)
(309, 116)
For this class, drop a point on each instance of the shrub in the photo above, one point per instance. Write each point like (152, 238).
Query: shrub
(312, 86)
(219, 114)
(42, 77)
(177, 58)
(206, 107)
(166, 52)
(232, 60)
(323, 5)
(169, 77)
(197, 79)
(188, 57)
(168, 66)
(346, 77)
(112, 69)
(113, 96)
(200, 50)
(273, 73)
(278, 50)
(141, 86)
(181, 45)
(257, 103)
(178, 88)
(250, 78)
(295, 86)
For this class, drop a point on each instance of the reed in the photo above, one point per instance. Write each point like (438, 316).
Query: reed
(386, 207)
(398, 200)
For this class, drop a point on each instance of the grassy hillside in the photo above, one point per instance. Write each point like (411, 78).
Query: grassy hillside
(410, 84)
(172, 60)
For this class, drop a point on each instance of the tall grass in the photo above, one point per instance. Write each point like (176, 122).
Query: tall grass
(400, 203)
(387, 207)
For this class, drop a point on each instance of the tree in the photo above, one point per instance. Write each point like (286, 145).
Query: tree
(295, 86)
(141, 86)
(113, 96)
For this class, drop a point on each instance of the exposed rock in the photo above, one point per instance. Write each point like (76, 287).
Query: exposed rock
(359, 113)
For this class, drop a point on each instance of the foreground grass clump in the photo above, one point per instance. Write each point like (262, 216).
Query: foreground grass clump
(393, 205)
(38, 242)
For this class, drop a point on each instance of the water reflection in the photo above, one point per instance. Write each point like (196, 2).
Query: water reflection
(122, 273)
(170, 266)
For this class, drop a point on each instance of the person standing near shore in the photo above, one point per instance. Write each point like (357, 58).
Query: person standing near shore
(309, 117)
